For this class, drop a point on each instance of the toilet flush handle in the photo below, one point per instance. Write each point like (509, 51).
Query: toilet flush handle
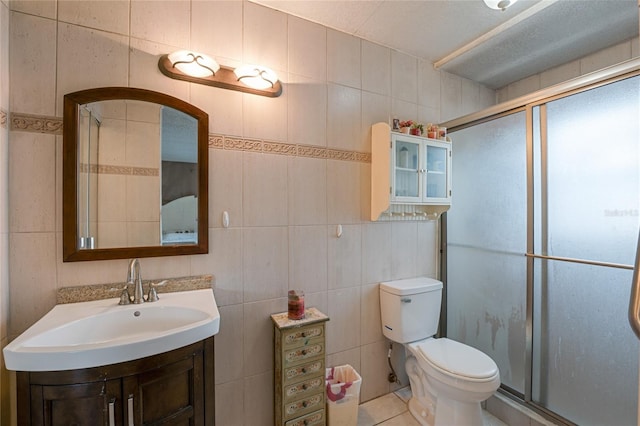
(405, 300)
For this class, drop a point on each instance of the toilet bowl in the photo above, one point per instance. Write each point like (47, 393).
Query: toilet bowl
(458, 376)
(448, 379)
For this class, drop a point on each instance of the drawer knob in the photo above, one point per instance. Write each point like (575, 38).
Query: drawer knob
(303, 369)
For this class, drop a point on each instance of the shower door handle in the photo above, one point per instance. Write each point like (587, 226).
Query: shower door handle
(634, 301)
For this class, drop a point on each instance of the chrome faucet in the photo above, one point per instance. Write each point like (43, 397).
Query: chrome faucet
(134, 277)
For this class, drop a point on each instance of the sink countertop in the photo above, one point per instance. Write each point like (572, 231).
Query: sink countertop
(85, 293)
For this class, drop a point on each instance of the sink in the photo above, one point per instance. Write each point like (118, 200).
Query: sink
(101, 332)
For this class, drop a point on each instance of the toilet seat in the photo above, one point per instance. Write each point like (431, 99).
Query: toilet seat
(455, 359)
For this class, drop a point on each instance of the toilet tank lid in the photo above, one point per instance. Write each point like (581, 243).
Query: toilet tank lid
(411, 286)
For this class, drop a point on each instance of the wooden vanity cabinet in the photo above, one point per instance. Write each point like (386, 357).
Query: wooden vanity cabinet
(173, 388)
(74, 404)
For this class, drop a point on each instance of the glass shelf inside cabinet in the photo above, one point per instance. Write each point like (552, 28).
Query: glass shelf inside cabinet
(407, 173)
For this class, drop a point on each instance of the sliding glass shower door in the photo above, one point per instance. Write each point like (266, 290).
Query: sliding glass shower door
(541, 237)
(585, 353)
(487, 237)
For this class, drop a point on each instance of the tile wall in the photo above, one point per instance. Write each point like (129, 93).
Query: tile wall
(283, 209)
(4, 199)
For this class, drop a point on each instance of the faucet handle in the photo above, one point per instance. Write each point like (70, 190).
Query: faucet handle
(125, 298)
(153, 294)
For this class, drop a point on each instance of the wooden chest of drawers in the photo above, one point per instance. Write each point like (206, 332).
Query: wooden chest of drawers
(299, 369)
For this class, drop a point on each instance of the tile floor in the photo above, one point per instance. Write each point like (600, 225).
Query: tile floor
(391, 410)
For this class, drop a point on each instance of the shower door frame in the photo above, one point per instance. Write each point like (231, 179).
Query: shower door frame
(528, 103)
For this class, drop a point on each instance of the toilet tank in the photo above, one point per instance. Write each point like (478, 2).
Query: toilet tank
(410, 308)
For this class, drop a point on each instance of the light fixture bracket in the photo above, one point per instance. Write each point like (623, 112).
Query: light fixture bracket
(224, 78)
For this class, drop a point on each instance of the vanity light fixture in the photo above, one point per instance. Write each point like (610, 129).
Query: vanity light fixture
(499, 4)
(199, 68)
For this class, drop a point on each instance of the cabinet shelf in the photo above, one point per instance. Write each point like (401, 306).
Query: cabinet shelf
(400, 192)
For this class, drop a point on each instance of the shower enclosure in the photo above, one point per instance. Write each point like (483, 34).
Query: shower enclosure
(540, 245)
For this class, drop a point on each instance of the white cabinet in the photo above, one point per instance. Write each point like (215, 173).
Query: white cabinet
(411, 175)
(420, 170)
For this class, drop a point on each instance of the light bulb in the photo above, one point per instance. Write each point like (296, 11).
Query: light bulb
(193, 63)
(257, 77)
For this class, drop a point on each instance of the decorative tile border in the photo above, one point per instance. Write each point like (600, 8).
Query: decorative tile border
(238, 144)
(312, 151)
(216, 141)
(3, 118)
(362, 157)
(36, 123)
(102, 169)
(280, 148)
(145, 171)
(336, 154)
(53, 125)
(234, 143)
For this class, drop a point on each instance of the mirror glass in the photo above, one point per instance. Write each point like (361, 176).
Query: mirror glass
(135, 165)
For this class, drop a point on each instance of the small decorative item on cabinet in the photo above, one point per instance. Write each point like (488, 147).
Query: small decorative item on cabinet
(417, 129)
(296, 304)
(432, 131)
(405, 126)
(299, 369)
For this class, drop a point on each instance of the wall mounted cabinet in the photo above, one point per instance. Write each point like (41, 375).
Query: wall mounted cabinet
(410, 175)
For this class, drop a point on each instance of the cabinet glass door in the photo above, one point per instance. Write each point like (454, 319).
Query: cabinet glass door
(407, 178)
(436, 175)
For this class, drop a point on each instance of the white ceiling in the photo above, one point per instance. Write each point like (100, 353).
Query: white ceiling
(500, 47)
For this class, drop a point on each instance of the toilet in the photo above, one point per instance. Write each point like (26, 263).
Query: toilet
(448, 379)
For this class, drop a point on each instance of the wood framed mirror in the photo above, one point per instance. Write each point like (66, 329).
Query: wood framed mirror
(135, 175)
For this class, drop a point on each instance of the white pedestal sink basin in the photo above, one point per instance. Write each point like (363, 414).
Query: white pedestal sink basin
(101, 332)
